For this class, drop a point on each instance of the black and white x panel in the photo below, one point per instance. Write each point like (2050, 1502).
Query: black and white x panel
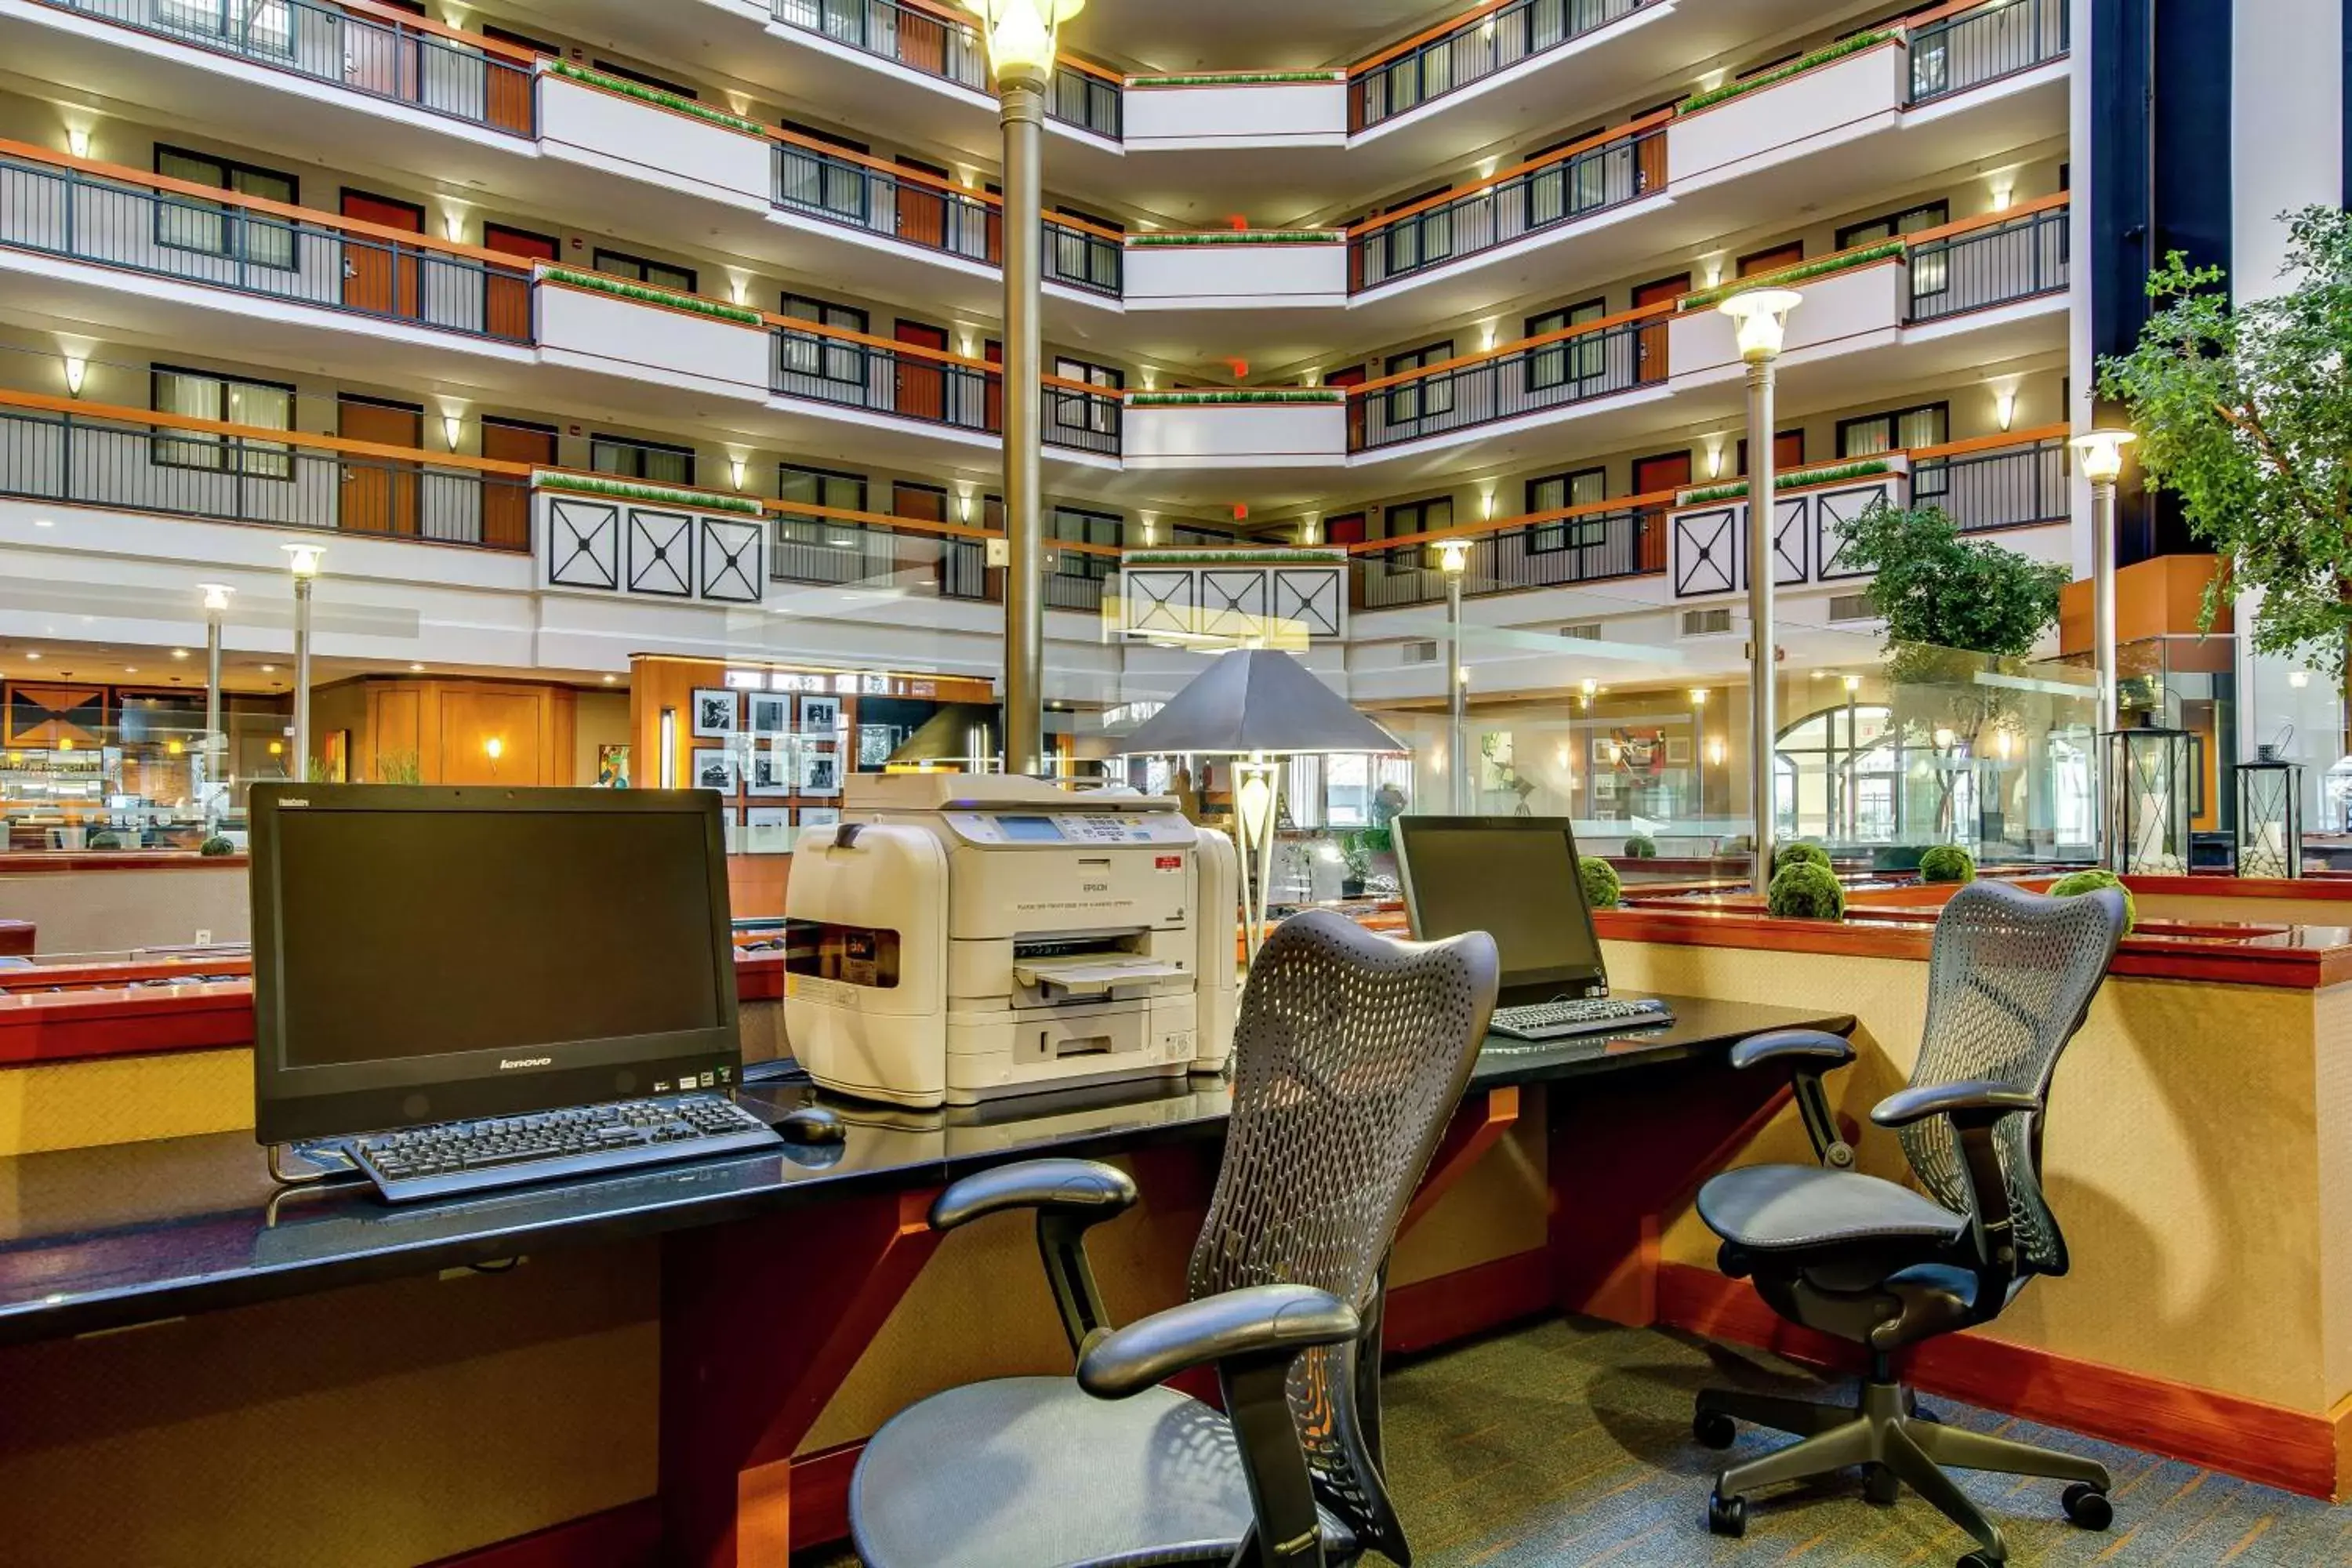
(1317, 600)
(584, 544)
(733, 560)
(1790, 538)
(1157, 599)
(1706, 552)
(1832, 510)
(1232, 603)
(661, 553)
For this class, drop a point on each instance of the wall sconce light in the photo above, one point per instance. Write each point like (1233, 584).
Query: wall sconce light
(1151, 381)
(1149, 525)
(494, 748)
(1715, 753)
(453, 222)
(963, 503)
(735, 470)
(1715, 456)
(736, 285)
(78, 141)
(451, 425)
(1312, 378)
(76, 369)
(1488, 332)
(2001, 193)
(1486, 503)
(2004, 404)
(1713, 270)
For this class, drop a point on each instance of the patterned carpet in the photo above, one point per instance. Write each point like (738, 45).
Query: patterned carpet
(1568, 1444)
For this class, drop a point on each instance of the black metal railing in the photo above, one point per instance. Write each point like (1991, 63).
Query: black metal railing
(1085, 421)
(856, 374)
(1474, 51)
(1559, 191)
(1081, 258)
(2011, 487)
(1997, 265)
(1994, 39)
(64, 212)
(381, 58)
(1075, 581)
(844, 191)
(1506, 386)
(76, 459)
(948, 49)
(839, 552)
(1589, 548)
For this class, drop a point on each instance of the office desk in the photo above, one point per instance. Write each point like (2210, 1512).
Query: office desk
(778, 1268)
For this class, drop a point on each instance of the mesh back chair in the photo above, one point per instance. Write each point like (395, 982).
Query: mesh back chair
(2011, 978)
(1352, 1052)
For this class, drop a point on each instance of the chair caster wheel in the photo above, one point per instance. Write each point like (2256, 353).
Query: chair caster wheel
(1727, 1515)
(1880, 1486)
(1714, 1428)
(1979, 1560)
(2087, 1506)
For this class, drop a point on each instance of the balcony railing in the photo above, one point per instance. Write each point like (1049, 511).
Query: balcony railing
(259, 248)
(1549, 371)
(1997, 264)
(1452, 56)
(2004, 486)
(1602, 172)
(1088, 258)
(856, 372)
(1977, 44)
(180, 466)
(939, 44)
(1553, 549)
(375, 50)
(841, 548)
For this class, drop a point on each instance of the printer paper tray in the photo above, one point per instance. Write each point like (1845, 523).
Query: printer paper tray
(1093, 976)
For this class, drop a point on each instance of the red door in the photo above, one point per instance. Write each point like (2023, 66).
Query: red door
(1652, 351)
(380, 56)
(922, 503)
(922, 381)
(509, 296)
(1772, 260)
(380, 274)
(1354, 375)
(1666, 471)
(505, 500)
(379, 494)
(923, 206)
(993, 352)
(1347, 529)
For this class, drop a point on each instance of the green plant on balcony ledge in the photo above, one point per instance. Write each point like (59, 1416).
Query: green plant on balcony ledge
(1236, 555)
(1240, 237)
(1862, 256)
(1237, 395)
(627, 290)
(638, 91)
(619, 489)
(1234, 79)
(1797, 67)
(1854, 470)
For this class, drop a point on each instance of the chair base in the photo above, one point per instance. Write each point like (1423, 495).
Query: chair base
(1898, 1447)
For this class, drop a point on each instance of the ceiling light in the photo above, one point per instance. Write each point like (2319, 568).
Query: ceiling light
(179, 653)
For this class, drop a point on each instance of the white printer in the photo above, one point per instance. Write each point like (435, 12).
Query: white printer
(961, 936)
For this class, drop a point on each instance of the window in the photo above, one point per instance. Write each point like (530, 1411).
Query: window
(658, 274)
(1081, 527)
(522, 41)
(1910, 220)
(1429, 394)
(643, 80)
(825, 487)
(812, 179)
(1077, 411)
(185, 224)
(1417, 241)
(1558, 492)
(655, 462)
(1923, 425)
(260, 27)
(1406, 518)
(1580, 359)
(812, 353)
(206, 394)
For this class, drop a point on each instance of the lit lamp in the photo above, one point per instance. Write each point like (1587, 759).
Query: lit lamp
(1257, 706)
(303, 558)
(215, 743)
(2101, 454)
(1021, 45)
(2269, 816)
(2150, 773)
(1699, 751)
(1761, 319)
(1454, 559)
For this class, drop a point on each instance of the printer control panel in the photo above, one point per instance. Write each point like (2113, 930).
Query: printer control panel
(1105, 829)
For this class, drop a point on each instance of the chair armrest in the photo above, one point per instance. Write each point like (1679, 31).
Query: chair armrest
(1809, 1054)
(1248, 1324)
(1069, 1196)
(1975, 1103)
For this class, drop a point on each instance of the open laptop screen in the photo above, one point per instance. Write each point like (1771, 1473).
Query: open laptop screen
(1514, 877)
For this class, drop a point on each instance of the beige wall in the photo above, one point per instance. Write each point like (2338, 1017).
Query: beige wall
(602, 719)
(115, 910)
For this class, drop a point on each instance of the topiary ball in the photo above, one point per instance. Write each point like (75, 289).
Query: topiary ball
(105, 841)
(1948, 863)
(1602, 889)
(1806, 891)
(2075, 883)
(1801, 852)
(1640, 847)
(218, 844)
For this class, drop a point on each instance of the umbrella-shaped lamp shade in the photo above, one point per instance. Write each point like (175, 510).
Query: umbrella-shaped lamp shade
(1254, 701)
(962, 732)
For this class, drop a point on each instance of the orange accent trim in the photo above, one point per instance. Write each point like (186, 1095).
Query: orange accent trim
(541, 280)
(1088, 68)
(897, 172)
(1987, 219)
(1642, 312)
(1062, 220)
(1454, 24)
(913, 351)
(417, 23)
(1952, 8)
(1598, 139)
(1987, 443)
(1527, 520)
(52, 405)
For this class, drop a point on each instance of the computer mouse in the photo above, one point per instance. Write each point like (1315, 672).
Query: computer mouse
(812, 1125)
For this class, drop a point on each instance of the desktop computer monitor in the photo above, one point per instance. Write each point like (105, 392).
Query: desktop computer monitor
(1515, 878)
(427, 953)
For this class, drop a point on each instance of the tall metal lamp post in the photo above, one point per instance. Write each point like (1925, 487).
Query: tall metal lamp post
(1761, 316)
(214, 751)
(2101, 455)
(1021, 45)
(302, 557)
(1454, 559)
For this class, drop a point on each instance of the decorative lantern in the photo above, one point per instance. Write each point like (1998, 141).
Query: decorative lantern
(2269, 816)
(2150, 779)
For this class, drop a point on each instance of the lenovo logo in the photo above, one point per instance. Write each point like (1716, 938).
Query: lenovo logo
(507, 1064)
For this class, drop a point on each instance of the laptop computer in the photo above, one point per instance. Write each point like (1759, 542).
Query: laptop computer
(1515, 877)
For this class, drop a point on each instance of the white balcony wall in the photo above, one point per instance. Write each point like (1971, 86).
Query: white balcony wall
(1861, 86)
(1838, 308)
(644, 141)
(1234, 434)
(634, 337)
(1231, 275)
(1265, 114)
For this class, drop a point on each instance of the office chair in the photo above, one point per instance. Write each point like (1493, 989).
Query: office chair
(1350, 1054)
(2010, 976)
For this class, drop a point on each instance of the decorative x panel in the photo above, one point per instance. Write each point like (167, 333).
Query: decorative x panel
(661, 553)
(1232, 603)
(584, 545)
(1832, 510)
(1157, 601)
(1706, 547)
(732, 565)
(1314, 599)
(1789, 537)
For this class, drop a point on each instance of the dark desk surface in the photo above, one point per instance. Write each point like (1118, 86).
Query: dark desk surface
(95, 1238)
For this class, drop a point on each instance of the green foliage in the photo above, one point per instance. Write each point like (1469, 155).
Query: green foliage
(1800, 852)
(1238, 394)
(1939, 590)
(1602, 889)
(1240, 237)
(1862, 256)
(701, 500)
(1234, 79)
(1377, 840)
(1789, 481)
(105, 840)
(638, 90)
(1807, 891)
(598, 283)
(218, 844)
(1640, 847)
(315, 770)
(2075, 883)
(2245, 413)
(398, 768)
(1823, 57)
(1948, 863)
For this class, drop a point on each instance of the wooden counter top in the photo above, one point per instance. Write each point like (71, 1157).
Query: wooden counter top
(20, 862)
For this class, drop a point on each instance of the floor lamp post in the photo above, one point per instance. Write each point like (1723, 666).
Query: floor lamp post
(1698, 752)
(302, 557)
(1021, 45)
(2102, 455)
(1454, 559)
(213, 755)
(1761, 317)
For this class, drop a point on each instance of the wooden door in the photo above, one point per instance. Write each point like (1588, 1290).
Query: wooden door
(993, 352)
(379, 55)
(1347, 529)
(1666, 471)
(1772, 260)
(923, 206)
(1650, 353)
(506, 502)
(509, 298)
(922, 42)
(922, 382)
(1788, 452)
(1354, 375)
(922, 503)
(379, 494)
(380, 274)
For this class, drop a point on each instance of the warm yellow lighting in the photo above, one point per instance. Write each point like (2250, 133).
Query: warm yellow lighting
(174, 747)
(415, 669)
(1454, 557)
(216, 596)
(610, 678)
(302, 557)
(2298, 679)
(1715, 456)
(1699, 696)
(453, 222)
(494, 748)
(76, 369)
(1713, 270)
(735, 471)
(2004, 404)
(1944, 738)
(269, 670)
(2001, 196)
(1852, 684)
(2102, 453)
(1715, 753)
(1021, 34)
(276, 748)
(1145, 520)
(452, 426)
(1486, 504)
(65, 742)
(1762, 315)
(2003, 743)
(1254, 800)
(78, 141)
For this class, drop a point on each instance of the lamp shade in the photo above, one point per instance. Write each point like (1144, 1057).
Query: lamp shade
(1761, 316)
(1021, 32)
(1257, 700)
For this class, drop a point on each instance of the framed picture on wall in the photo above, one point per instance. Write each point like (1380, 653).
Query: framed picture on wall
(819, 816)
(715, 710)
(612, 765)
(820, 715)
(772, 714)
(819, 773)
(1678, 750)
(767, 817)
(772, 771)
(767, 829)
(715, 768)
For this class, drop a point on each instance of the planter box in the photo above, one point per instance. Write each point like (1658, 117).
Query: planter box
(587, 323)
(1236, 273)
(1864, 302)
(1260, 114)
(651, 141)
(1866, 85)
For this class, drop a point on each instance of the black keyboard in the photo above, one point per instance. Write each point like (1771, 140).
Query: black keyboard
(1580, 1015)
(584, 1141)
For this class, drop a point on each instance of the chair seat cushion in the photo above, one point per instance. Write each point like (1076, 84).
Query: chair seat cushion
(1782, 1208)
(1034, 1472)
